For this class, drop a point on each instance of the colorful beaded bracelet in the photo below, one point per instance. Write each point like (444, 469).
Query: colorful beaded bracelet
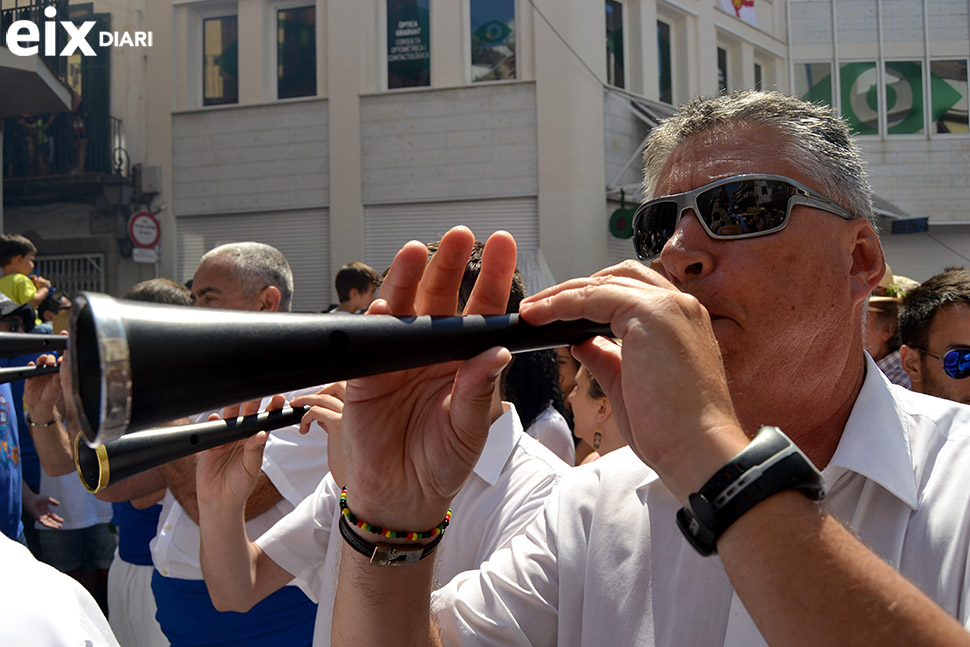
(390, 534)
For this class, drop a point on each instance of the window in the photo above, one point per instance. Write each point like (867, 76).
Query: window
(296, 52)
(758, 82)
(220, 65)
(665, 72)
(904, 97)
(813, 82)
(493, 39)
(614, 44)
(948, 92)
(860, 97)
(722, 69)
(408, 44)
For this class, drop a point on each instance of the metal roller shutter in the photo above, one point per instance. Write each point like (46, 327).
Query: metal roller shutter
(388, 226)
(302, 236)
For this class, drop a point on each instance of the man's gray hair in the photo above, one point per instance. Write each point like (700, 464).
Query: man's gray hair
(255, 266)
(814, 137)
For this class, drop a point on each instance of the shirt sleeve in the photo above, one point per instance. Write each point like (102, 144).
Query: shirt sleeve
(300, 542)
(294, 462)
(513, 599)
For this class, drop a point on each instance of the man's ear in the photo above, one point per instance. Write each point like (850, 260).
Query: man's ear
(868, 262)
(269, 299)
(912, 364)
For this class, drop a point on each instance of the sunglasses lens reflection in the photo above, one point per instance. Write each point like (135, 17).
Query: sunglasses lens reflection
(745, 207)
(654, 228)
(956, 363)
(734, 209)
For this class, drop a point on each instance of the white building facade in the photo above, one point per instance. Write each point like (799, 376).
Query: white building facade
(897, 70)
(337, 131)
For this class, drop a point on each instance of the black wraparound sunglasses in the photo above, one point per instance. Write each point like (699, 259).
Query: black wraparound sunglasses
(743, 206)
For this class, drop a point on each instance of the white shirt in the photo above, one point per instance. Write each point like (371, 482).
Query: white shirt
(78, 507)
(294, 463)
(606, 565)
(42, 606)
(511, 481)
(552, 430)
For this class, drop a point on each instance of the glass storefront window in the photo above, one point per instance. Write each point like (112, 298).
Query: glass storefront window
(665, 71)
(948, 91)
(408, 44)
(220, 65)
(615, 73)
(813, 82)
(722, 69)
(904, 97)
(493, 39)
(296, 52)
(860, 97)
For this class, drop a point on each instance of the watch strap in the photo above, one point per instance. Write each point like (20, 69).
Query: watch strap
(770, 464)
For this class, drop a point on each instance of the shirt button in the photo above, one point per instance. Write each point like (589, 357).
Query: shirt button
(168, 526)
(163, 572)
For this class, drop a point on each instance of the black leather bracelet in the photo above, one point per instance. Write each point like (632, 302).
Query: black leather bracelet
(384, 554)
(770, 464)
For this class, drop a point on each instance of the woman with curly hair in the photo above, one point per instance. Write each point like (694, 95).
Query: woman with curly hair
(531, 383)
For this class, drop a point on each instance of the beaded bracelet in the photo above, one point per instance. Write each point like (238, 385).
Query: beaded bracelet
(391, 534)
(41, 425)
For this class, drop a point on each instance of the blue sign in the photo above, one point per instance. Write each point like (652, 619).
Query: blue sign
(911, 226)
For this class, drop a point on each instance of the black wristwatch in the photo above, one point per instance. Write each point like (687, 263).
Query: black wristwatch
(770, 464)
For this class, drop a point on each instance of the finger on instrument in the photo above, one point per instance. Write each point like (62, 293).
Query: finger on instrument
(490, 295)
(438, 291)
(399, 287)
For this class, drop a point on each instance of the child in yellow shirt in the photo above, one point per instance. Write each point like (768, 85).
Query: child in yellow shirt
(17, 260)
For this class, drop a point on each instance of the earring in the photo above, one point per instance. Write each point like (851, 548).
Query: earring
(597, 437)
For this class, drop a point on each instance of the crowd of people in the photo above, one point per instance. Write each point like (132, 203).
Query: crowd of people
(753, 457)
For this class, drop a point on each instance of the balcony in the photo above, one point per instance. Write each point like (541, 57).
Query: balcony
(61, 158)
(66, 156)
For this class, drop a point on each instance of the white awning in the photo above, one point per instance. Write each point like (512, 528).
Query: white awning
(921, 255)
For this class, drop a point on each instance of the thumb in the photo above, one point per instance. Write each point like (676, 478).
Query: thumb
(253, 450)
(471, 398)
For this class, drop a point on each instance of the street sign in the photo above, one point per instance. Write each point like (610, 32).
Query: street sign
(144, 230)
(142, 255)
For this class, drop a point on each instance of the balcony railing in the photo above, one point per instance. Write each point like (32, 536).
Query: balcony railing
(44, 145)
(33, 10)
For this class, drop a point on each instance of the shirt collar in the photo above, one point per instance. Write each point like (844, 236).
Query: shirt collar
(874, 442)
(503, 436)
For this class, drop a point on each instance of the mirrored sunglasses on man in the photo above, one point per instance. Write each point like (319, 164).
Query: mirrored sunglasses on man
(743, 206)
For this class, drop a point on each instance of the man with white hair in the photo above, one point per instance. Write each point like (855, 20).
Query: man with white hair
(720, 338)
(237, 276)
